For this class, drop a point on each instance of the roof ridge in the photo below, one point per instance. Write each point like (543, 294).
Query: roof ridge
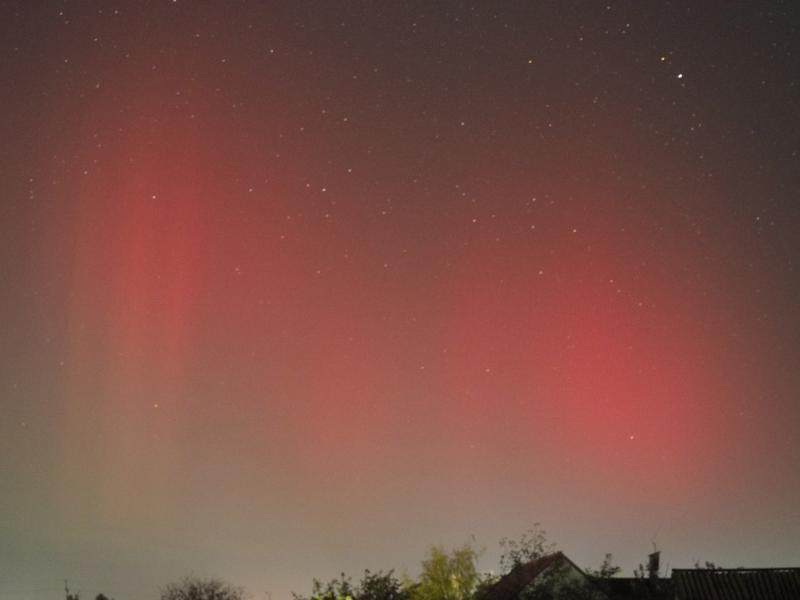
(735, 569)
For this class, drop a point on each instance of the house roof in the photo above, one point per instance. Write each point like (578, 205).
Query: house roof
(737, 584)
(634, 588)
(522, 575)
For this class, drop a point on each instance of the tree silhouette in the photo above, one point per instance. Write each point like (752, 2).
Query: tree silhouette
(373, 586)
(444, 576)
(607, 569)
(193, 588)
(531, 545)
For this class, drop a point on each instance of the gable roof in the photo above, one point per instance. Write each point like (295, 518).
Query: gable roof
(509, 586)
(737, 584)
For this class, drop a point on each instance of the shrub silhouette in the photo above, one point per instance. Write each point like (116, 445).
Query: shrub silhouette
(194, 588)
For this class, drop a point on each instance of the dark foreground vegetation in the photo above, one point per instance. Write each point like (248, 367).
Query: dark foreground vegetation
(445, 575)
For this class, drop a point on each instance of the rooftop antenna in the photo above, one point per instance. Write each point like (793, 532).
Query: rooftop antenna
(655, 536)
(654, 563)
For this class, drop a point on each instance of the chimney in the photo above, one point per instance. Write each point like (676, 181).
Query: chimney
(653, 564)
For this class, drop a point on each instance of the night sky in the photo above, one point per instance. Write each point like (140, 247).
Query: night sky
(291, 288)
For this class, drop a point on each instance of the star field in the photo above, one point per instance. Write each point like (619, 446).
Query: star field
(293, 288)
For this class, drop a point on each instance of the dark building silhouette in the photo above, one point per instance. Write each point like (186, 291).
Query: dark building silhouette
(736, 584)
(683, 584)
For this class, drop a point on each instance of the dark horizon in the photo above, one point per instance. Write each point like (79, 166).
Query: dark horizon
(295, 288)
